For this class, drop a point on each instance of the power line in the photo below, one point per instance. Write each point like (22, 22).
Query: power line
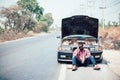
(113, 10)
(116, 9)
(112, 13)
(113, 4)
(107, 6)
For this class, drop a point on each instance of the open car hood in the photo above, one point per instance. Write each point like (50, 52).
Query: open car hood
(78, 25)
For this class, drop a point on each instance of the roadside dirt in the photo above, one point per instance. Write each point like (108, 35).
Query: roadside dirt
(111, 45)
(110, 37)
(13, 36)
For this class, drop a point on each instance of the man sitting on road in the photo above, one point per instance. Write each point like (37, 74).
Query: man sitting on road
(82, 56)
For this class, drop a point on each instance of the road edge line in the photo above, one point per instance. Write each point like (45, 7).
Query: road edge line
(62, 72)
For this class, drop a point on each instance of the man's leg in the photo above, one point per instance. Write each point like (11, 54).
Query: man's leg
(75, 63)
(87, 62)
(74, 60)
(95, 66)
(91, 58)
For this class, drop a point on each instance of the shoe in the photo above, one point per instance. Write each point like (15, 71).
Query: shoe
(74, 68)
(96, 67)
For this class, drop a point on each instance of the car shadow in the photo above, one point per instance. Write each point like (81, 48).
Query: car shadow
(70, 63)
(103, 62)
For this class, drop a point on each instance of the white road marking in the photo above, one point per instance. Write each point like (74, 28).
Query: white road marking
(62, 72)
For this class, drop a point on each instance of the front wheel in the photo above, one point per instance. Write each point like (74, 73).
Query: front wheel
(101, 59)
(58, 59)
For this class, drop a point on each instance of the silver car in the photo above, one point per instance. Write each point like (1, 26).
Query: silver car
(75, 29)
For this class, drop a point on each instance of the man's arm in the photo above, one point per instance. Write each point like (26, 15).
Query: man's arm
(88, 54)
(75, 52)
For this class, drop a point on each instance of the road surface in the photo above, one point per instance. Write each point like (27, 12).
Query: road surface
(35, 59)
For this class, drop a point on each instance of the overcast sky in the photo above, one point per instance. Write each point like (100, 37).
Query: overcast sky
(66, 8)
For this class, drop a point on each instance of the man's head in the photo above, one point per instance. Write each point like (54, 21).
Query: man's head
(80, 45)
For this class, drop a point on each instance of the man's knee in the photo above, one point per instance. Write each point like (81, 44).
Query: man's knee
(87, 61)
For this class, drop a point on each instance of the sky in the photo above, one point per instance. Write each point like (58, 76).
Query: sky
(66, 8)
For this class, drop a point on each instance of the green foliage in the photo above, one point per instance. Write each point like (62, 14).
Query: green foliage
(32, 6)
(115, 23)
(45, 29)
(49, 18)
(1, 30)
(47, 21)
(26, 16)
(41, 26)
(18, 19)
(44, 26)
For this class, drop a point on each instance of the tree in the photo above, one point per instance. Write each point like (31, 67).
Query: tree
(25, 16)
(47, 20)
(1, 30)
(32, 6)
(115, 23)
(17, 19)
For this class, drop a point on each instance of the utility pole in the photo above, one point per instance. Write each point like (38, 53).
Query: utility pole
(82, 9)
(119, 19)
(91, 6)
(103, 20)
(102, 9)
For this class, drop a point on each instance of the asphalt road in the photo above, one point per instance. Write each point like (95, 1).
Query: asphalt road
(30, 59)
(35, 59)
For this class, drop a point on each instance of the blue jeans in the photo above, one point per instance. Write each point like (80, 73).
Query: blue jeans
(77, 62)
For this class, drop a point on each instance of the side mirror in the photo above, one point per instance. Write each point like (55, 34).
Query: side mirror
(58, 37)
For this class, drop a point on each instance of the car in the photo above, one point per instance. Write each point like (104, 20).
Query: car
(79, 29)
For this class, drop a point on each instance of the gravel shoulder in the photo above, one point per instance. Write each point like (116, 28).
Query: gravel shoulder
(113, 60)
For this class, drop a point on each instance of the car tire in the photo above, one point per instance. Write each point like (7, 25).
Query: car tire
(100, 61)
(59, 61)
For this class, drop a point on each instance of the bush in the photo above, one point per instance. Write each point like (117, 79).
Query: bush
(1, 30)
(45, 29)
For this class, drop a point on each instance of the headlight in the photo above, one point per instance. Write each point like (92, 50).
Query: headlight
(59, 49)
(100, 48)
(96, 48)
(64, 49)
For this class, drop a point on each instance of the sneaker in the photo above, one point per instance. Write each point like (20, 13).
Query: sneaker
(96, 67)
(74, 68)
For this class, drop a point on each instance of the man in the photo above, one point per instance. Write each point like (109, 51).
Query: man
(82, 56)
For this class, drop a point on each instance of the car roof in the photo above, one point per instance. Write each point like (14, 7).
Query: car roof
(79, 37)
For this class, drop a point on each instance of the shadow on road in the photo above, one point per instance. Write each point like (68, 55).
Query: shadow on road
(70, 63)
